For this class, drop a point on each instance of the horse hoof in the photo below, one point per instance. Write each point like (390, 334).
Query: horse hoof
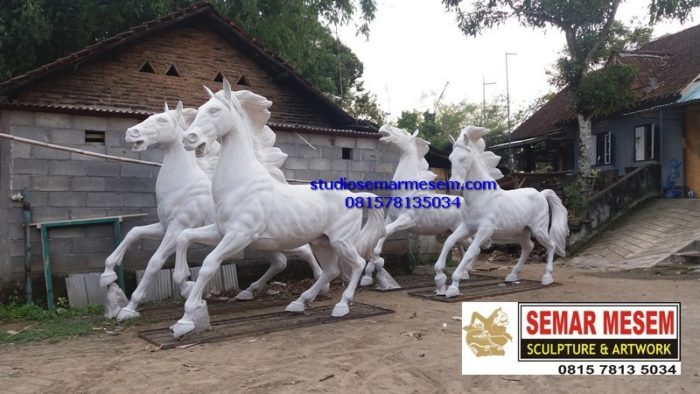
(340, 310)
(547, 279)
(441, 290)
(127, 313)
(366, 281)
(512, 278)
(295, 307)
(465, 275)
(182, 327)
(452, 292)
(186, 289)
(108, 278)
(245, 295)
(386, 281)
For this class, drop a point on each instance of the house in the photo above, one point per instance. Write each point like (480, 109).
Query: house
(663, 125)
(89, 98)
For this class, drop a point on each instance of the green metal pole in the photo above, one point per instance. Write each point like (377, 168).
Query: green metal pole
(27, 214)
(117, 241)
(47, 267)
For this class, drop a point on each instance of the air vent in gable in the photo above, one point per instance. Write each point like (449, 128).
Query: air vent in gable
(172, 71)
(147, 68)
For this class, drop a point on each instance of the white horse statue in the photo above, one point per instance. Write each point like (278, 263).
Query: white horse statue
(413, 167)
(255, 206)
(183, 192)
(504, 215)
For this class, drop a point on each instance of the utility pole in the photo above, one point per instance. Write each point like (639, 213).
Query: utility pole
(483, 99)
(510, 148)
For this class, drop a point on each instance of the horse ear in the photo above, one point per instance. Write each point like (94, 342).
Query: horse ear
(179, 107)
(415, 134)
(165, 107)
(452, 138)
(209, 92)
(188, 115)
(227, 89)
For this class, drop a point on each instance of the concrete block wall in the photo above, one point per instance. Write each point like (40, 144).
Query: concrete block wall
(65, 185)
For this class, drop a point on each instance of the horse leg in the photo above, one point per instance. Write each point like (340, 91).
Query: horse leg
(207, 235)
(165, 249)
(482, 234)
(374, 260)
(542, 237)
(403, 222)
(278, 262)
(349, 255)
(306, 254)
(526, 246)
(151, 231)
(196, 317)
(440, 278)
(329, 260)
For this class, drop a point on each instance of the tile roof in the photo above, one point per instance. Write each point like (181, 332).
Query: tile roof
(270, 61)
(665, 67)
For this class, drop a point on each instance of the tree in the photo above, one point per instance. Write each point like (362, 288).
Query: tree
(589, 27)
(449, 119)
(35, 32)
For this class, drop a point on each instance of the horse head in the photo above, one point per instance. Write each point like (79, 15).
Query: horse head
(469, 154)
(163, 128)
(403, 140)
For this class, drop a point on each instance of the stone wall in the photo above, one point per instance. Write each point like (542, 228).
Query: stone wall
(614, 202)
(66, 185)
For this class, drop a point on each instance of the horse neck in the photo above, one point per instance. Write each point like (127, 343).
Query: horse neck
(407, 169)
(478, 173)
(237, 159)
(179, 166)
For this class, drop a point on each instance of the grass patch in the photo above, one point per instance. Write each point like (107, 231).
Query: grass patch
(31, 323)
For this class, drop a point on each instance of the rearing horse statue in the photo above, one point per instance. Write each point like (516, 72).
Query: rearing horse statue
(255, 206)
(510, 215)
(438, 222)
(183, 193)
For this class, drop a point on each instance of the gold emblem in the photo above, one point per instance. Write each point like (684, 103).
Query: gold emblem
(487, 336)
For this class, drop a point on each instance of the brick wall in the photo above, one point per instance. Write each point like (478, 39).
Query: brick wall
(64, 185)
(197, 52)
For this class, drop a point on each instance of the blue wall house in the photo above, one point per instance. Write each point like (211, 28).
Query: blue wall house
(661, 127)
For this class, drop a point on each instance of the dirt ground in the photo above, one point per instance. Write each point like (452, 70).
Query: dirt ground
(405, 352)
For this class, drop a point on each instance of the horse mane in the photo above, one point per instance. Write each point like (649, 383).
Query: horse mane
(422, 148)
(255, 108)
(488, 159)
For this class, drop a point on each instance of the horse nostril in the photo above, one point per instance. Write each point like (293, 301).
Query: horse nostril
(134, 132)
(192, 137)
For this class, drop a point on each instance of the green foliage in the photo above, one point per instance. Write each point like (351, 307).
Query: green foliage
(450, 119)
(35, 32)
(606, 90)
(574, 198)
(32, 323)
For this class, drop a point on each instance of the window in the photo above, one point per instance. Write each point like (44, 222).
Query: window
(602, 149)
(147, 68)
(644, 143)
(172, 71)
(347, 153)
(94, 138)
(243, 81)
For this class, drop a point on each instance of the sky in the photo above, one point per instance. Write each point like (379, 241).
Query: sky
(415, 49)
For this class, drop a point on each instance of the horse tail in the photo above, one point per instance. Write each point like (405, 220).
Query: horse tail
(559, 228)
(372, 231)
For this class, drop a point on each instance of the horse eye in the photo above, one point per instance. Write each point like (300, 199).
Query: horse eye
(162, 120)
(213, 110)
